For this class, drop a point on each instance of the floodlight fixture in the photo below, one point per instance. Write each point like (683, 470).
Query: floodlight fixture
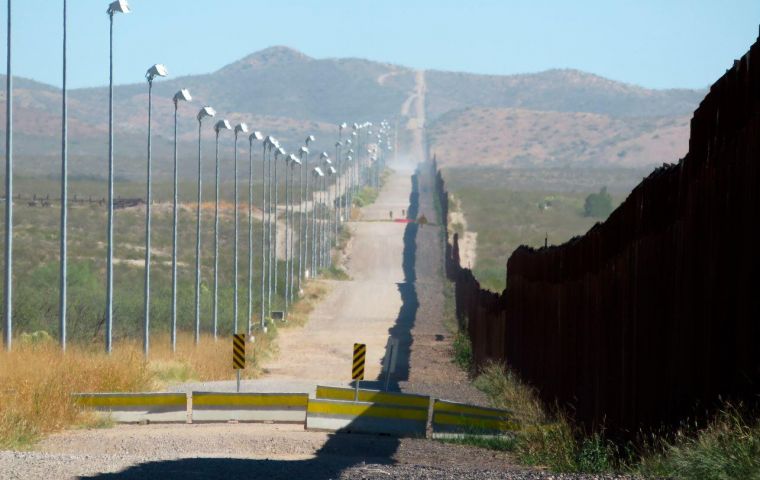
(241, 128)
(206, 112)
(182, 96)
(256, 135)
(281, 151)
(331, 170)
(324, 156)
(119, 6)
(157, 70)
(310, 139)
(222, 125)
(303, 151)
(318, 172)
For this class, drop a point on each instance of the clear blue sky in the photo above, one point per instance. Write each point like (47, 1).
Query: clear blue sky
(654, 43)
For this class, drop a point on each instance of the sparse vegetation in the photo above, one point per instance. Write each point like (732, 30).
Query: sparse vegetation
(366, 196)
(502, 443)
(463, 351)
(726, 448)
(502, 207)
(544, 439)
(729, 447)
(598, 205)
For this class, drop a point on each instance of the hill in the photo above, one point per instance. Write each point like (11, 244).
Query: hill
(515, 137)
(285, 93)
(555, 90)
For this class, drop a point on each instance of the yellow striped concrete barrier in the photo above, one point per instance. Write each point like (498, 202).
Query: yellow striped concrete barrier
(249, 407)
(459, 418)
(374, 396)
(365, 417)
(137, 407)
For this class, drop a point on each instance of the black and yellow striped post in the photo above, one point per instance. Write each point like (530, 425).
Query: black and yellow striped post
(238, 355)
(357, 370)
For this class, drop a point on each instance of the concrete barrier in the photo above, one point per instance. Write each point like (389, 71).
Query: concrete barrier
(374, 396)
(451, 418)
(137, 407)
(365, 417)
(249, 407)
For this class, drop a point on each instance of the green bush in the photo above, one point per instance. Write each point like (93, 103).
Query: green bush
(598, 205)
(463, 351)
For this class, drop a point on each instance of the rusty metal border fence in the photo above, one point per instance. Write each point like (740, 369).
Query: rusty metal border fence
(654, 315)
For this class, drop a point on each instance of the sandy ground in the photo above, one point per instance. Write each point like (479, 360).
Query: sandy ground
(360, 310)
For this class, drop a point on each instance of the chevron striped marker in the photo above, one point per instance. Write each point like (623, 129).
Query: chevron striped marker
(360, 353)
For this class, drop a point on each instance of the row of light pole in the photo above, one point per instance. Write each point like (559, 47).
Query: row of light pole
(331, 204)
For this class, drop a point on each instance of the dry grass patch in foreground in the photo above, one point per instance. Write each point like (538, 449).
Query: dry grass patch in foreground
(37, 382)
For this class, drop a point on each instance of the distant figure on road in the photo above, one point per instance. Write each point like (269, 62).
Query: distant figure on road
(403, 212)
(422, 220)
(391, 214)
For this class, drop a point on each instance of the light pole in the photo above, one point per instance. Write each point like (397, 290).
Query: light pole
(338, 145)
(254, 136)
(218, 127)
(239, 128)
(293, 162)
(323, 200)
(119, 6)
(304, 248)
(8, 297)
(156, 70)
(332, 226)
(268, 141)
(357, 163)
(273, 154)
(348, 182)
(203, 113)
(287, 198)
(181, 96)
(279, 152)
(302, 154)
(327, 228)
(317, 172)
(288, 159)
(64, 195)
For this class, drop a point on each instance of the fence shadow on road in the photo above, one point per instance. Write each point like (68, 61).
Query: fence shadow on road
(402, 330)
(342, 450)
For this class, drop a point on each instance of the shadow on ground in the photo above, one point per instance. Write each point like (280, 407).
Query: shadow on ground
(342, 451)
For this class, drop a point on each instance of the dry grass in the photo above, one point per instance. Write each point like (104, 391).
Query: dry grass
(313, 292)
(37, 379)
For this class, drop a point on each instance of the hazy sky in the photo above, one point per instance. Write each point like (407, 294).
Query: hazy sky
(654, 43)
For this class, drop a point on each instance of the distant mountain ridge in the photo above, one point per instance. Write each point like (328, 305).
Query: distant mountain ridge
(288, 94)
